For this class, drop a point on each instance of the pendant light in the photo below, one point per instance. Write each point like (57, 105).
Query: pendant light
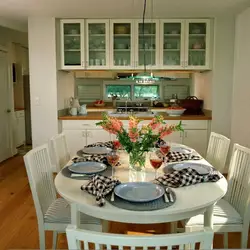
(145, 77)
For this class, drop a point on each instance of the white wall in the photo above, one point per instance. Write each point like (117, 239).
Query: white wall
(240, 128)
(222, 78)
(65, 88)
(43, 78)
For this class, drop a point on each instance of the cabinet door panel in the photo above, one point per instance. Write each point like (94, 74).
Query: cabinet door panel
(122, 44)
(174, 137)
(97, 46)
(196, 139)
(197, 44)
(76, 140)
(172, 44)
(72, 44)
(97, 135)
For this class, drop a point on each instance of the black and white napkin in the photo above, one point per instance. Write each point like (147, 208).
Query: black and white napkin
(174, 156)
(108, 144)
(100, 186)
(187, 177)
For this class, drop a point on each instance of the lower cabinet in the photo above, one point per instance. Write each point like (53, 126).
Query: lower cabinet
(76, 140)
(196, 139)
(79, 134)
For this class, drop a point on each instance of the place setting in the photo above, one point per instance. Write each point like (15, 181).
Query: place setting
(98, 158)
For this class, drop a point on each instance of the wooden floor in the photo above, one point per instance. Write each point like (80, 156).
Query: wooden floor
(18, 224)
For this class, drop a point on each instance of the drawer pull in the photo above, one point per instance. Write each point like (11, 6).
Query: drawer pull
(85, 124)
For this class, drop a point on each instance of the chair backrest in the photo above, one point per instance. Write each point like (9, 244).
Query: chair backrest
(238, 193)
(60, 150)
(39, 171)
(76, 236)
(217, 150)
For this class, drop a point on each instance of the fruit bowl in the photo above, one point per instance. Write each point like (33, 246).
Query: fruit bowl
(175, 111)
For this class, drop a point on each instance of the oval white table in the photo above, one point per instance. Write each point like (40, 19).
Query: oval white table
(190, 200)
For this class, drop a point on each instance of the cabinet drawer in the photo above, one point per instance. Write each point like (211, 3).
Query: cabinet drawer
(79, 125)
(193, 124)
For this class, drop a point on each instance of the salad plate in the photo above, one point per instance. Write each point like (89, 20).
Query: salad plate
(87, 167)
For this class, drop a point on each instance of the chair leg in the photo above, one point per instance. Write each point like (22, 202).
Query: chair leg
(54, 245)
(42, 239)
(173, 226)
(244, 239)
(225, 240)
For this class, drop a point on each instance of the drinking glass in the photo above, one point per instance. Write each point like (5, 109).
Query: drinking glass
(155, 161)
(113, 159)
(165, 148)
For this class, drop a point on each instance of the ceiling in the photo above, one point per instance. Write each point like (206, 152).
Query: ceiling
(19, 10)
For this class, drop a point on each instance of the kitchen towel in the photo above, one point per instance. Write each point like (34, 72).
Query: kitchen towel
(187, 177)
(100, 186)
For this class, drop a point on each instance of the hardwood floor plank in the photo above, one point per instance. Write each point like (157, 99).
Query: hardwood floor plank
(18, 223)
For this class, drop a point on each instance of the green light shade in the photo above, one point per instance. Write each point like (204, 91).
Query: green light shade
(144, 78)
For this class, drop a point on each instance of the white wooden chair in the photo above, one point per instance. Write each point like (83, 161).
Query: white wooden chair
(53, 213)
(76, 236)
(60, 151)
(217, 151)
(232, 213)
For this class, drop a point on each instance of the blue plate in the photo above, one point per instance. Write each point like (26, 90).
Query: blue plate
(87, 167)
(139, 191)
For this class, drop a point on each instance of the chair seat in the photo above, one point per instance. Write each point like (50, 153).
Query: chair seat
(224, 213)
(59, 212)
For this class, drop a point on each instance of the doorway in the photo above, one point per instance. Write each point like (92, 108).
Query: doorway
(5, 111)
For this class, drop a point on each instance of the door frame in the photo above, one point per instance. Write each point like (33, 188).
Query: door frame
(10, 90)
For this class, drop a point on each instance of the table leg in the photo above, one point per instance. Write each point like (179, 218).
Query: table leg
(75, 215)
(208, 218)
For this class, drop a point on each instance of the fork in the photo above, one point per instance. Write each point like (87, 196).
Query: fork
(113, 196)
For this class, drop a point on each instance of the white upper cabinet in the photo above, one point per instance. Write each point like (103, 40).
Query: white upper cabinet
(122, 44)
(72, 44)
(172, 44)
(147, 44)
(97, 44)
(197, 44)
(177, 44)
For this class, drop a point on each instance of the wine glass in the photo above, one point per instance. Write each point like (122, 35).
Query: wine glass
(113, 159)
(165, 148)
(155, 161)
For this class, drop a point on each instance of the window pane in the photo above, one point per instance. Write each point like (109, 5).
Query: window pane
(146, 91)
(122, 91)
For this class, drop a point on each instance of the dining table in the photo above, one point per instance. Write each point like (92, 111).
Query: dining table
(190, 200)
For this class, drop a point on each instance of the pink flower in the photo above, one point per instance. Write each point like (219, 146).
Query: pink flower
(165, 130)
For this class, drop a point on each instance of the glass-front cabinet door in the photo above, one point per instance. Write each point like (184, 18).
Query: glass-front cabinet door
(172, 44)
(147, 44)
(72, 44)
(121, 44)
(197, 44)
(97, 44)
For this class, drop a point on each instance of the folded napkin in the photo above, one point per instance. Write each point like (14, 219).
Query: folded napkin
(108, 144)
(174, 156)
(97, 158)
(186, 177)
(100, 186)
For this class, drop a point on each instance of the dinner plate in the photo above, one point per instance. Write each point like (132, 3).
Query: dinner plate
(199, 167)
(139, 191)
(87, 167)
(96, 150)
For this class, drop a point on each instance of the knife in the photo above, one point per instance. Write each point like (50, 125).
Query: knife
(171, 198)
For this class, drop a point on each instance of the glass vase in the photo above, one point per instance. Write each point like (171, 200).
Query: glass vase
(137, 160)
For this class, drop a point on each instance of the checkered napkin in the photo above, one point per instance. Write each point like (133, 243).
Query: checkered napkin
(100, 186)
(187, 177)
(174, 156)
(108, 144)
(97, 158)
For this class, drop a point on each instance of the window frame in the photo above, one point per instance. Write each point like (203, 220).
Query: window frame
(132, 91)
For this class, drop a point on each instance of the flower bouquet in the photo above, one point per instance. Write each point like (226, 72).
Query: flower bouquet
(138, 139)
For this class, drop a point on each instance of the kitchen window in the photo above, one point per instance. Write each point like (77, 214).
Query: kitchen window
(132, 91)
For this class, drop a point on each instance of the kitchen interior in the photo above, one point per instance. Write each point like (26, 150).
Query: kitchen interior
(135, 67)
(21, 93)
